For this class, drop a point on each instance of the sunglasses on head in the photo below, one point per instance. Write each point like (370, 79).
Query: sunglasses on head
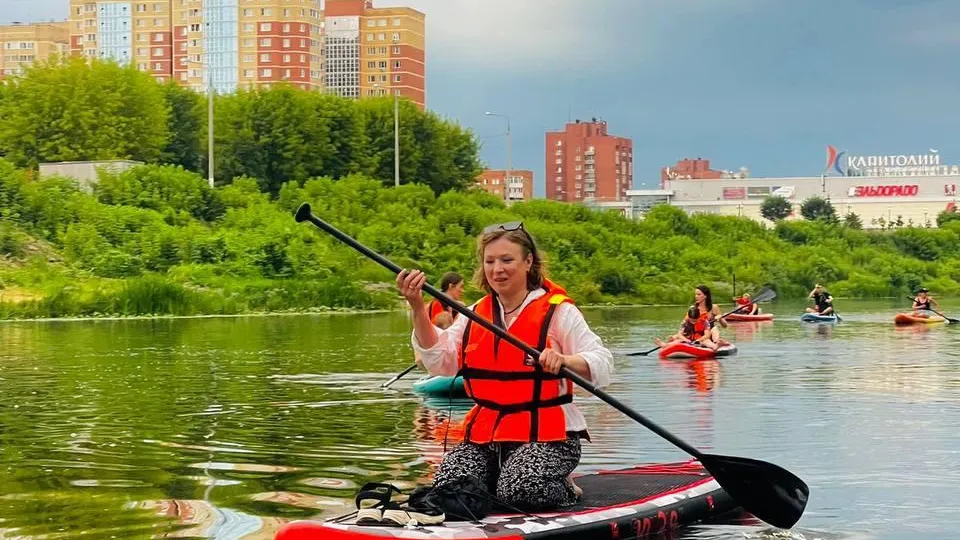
(508, 226)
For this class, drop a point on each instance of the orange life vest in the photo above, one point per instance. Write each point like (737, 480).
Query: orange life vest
(436, 308)
(516, 400)
(700, 326)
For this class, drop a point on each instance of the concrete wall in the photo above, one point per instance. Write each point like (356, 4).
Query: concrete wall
(85, 172)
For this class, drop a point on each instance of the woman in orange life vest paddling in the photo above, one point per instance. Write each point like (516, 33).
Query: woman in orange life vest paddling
(522, 438)
(751, 309)
(923, 302)
(452, 284)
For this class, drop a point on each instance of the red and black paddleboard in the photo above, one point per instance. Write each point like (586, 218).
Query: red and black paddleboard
(628, 503)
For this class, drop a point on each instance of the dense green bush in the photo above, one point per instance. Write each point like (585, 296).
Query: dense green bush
(156, 239)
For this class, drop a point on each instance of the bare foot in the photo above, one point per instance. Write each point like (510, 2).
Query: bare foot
(659, 342)
(576, 489)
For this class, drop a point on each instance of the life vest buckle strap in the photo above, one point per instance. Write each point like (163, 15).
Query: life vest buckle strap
(494, 375)
(528, 406)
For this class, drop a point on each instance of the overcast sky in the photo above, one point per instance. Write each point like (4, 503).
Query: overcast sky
(765, 84)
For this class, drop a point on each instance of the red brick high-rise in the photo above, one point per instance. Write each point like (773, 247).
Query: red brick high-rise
(689, 169)
(521, 183)
(585, 163)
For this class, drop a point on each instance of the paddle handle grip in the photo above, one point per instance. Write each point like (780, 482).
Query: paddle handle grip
(304, 214)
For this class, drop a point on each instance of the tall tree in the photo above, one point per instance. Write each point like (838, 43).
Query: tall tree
(775, 208)
(77, 109)
(274, 135)
(433, 151)
(349, 146)
(818, 209)
(187, 126)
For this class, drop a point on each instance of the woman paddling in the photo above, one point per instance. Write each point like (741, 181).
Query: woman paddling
(703, 299)
(924, 302)
(749, 308)
(522, 438)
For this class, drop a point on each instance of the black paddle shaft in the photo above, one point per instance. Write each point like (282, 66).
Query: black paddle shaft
(767, 491)
(398, 376)
(304, 214)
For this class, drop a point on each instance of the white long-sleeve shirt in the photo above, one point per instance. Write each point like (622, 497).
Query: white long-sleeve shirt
(568, 331)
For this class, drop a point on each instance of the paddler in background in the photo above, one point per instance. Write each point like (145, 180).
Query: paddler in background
(697, 329)
(703, 299)
(750, 309)
(451, 284)
(923, 302)
(442, 321)
(442, 316)
(822, 300)
(701, 325)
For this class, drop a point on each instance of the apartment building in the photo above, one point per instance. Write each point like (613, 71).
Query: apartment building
(353, 49)
(585, 163)
(24, 44)
(373, 51)
(520, 185)
(242, 42)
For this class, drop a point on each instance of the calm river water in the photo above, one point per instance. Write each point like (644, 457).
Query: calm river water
(229, 427)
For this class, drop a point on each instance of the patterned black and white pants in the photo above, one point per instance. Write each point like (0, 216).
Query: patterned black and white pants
(529, 476)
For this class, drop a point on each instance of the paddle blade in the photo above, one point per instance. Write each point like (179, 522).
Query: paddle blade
(769, 492)
(764, 295)
(303, 213)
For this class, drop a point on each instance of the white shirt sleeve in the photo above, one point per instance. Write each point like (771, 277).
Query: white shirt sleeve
(441, 359)
(571, 333)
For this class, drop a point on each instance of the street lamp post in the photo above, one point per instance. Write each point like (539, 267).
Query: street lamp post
(506, 176)
(396, 139)
(210, 126)
(206, 67)
(396, 128)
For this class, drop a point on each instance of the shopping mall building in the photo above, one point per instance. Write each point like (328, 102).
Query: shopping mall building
(914, 188)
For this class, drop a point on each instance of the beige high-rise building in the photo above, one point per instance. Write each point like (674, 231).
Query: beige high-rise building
(126, 32)
(352, 49)
(24, 44)
(245, 42)
(373, 51)
(248, 43)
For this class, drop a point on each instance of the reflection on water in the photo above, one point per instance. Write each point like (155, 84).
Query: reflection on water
(229, 428)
